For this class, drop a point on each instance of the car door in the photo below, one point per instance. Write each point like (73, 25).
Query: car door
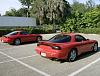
(32, 37)
(83, 44)
(24, 36)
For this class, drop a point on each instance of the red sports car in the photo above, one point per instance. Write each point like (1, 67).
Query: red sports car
(18, 37)
(66, 46)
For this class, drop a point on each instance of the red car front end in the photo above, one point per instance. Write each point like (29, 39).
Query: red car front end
(6, 39)
(18, 37)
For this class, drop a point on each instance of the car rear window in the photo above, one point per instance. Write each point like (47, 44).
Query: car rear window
(60, 38)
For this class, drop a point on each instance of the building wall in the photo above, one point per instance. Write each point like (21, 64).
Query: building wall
(17, 21)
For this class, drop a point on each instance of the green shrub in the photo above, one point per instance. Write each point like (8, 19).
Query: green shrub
(44, 29)
(90, 30)
(5, 31)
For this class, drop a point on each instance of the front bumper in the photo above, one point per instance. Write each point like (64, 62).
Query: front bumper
(6, 40)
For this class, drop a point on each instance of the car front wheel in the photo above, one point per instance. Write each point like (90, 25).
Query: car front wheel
(72, 55)
(95, 47)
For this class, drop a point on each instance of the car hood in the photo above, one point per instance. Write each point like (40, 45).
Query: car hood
(7, 36)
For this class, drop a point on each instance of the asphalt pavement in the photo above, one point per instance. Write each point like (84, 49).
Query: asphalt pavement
(22, 60)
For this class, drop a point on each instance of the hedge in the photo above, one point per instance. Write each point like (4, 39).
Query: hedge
(4, 31)
(90, 30)
(30, 30)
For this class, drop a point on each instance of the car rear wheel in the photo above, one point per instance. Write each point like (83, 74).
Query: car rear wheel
(95, 47)
(72, 55)
(38, 39)
(17, 41)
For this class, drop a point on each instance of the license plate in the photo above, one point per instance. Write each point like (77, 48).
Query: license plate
(43, 54)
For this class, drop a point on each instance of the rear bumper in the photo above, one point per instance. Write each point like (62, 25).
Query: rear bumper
(50, 54)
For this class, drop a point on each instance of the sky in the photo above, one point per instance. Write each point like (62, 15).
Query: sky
(83, 1)
(6, 5)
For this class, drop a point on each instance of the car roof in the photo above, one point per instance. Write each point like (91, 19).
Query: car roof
(18, 31)
(71, 34)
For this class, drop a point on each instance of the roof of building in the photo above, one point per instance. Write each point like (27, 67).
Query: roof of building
(17, 21)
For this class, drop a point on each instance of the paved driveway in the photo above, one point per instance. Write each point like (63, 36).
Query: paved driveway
(23, 61)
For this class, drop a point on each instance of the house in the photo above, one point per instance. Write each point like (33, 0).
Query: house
(6, 21)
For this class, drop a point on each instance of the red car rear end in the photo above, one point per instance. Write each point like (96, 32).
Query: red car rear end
(51, 50)
(66, 46)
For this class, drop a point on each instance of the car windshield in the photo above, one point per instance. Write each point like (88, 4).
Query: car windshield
(24, 33)
(60, 38)
(12, 33)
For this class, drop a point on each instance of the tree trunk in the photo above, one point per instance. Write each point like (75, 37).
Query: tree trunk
(28, 13)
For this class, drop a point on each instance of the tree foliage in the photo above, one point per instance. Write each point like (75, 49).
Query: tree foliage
(80, 7)
(91, 19)
(82, 17)
(22, 12)
(28, 4)
(50, 11)
(70, 18)
(72, 23)
(90, 4)
(12, 12)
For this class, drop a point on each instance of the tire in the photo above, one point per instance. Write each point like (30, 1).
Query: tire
(95, 47)
(72, 56)
(17, 41)
(38, 39)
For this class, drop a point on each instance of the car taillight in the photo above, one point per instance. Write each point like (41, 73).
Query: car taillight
(56, 47)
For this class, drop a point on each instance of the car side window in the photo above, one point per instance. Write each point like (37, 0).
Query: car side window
(79, 38)
(23, 33)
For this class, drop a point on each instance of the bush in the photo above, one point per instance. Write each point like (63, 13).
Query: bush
(44, 29)
(90, 30)
(5, 31)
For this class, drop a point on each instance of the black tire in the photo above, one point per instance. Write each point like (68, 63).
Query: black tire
(95, 47)
(38, 39)
(17, 41)
(72, 56)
